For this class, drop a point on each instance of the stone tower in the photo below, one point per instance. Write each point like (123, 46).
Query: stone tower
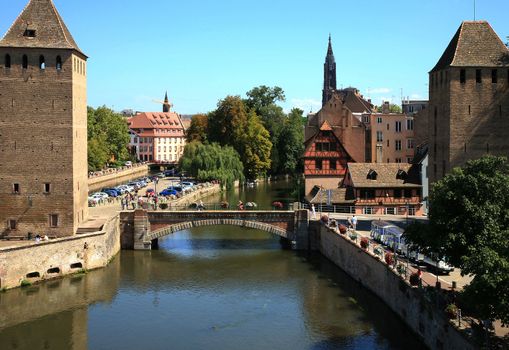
(468, 114)
(329, 75)
(43, 126)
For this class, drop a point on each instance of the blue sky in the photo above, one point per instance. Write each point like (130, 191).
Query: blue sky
(202, 50)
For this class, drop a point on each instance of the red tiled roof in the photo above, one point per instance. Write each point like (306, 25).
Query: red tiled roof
(157, 124)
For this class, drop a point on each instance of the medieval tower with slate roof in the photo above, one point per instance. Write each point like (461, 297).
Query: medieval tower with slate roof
(43, 126)
(468, 114)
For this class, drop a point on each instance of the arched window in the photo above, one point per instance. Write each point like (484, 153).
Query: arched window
(59, 63)
(42, 62)
(25, 62)
(7, 61)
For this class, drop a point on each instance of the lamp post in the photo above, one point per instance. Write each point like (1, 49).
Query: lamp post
(407, 209)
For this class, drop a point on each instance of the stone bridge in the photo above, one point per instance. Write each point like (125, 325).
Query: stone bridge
(141, 229)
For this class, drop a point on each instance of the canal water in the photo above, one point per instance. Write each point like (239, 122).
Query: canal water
(216, 287)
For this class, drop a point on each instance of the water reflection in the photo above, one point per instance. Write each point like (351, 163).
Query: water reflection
(221, 287)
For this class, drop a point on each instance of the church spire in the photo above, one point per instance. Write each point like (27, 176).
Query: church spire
(166, 104)
(329, 74)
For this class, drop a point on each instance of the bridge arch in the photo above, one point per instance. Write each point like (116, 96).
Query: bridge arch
(165, 231)
(140, 228)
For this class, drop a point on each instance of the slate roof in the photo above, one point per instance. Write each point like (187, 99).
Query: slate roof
(386, 175)
(354, 102)
(338, 196)
(475, 44)
(50, 29)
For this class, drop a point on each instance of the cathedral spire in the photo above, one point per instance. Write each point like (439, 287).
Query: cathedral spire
(329, 74)
(166, 104)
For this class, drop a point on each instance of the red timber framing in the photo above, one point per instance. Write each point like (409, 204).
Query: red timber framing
(325, 155)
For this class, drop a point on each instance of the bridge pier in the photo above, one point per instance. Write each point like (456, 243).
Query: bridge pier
(302, 238)
(141, 229)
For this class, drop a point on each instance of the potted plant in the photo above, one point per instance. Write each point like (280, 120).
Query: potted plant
(415, 279)
(353, 236)
(364, 243)
(325, 219)
(342, 229)
(389, 258)
(451, 311)
(163, 206)
(378, 251)
(401, 269)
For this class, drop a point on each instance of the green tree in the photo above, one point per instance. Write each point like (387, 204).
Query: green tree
(263, 96)
(262, 100)
(291, 143)
(107, 133)
(227, 124)
(392, 108)
(256, 148)
(198, 130)
(469, 224)
(212, 162)
(231, 124)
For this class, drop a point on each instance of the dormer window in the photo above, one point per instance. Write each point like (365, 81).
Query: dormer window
(372, 174)
(401, 175)
(29, 33)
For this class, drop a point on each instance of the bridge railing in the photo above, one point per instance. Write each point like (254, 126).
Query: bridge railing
(324, 208)
(213, 207)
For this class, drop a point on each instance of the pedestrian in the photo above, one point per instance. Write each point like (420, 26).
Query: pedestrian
(313, 210)
(37, 238)
(354, 222)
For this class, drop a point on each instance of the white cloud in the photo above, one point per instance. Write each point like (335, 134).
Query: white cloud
(382, 90)
(306, 104)
(415, 97)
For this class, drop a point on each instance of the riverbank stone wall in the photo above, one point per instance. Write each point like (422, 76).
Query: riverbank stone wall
(428, 322)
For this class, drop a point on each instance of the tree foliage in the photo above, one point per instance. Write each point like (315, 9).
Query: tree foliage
(263, 96)
(469, 224)
(212, 162)
(198, 130)
(108, 137)
(256, 147)
(231, 124)
(393, 108)
(291, 143)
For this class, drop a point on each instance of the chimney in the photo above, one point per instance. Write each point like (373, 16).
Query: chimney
(386, 107)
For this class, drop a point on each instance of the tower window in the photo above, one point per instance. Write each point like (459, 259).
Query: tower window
(59, 63)
(12, 224)
(42, 62)
(47, 188)
(463, 76)
(494, 76)
(25, 62)
(478, 76)
(15, 188)
(29, 33)
(53, 220)
(7, 61)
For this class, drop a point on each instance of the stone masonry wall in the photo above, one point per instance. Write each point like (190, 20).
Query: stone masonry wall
(68, 255)
(407, 302)
(115, 179)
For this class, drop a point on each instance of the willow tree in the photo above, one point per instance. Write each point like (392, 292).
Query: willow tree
(208, 162)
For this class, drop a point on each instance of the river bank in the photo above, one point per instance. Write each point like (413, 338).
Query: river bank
(410, 303)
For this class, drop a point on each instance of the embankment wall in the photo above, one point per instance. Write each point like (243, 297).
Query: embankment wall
(409, 303)
(59, 257)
